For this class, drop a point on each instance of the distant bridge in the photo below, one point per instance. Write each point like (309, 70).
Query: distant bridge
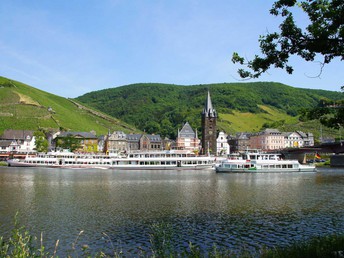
(300, 153)
(333, 147)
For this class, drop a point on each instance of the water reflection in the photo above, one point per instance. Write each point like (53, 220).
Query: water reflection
(231, 210)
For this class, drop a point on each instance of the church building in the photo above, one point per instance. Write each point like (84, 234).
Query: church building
(187, 139)
(209, 136)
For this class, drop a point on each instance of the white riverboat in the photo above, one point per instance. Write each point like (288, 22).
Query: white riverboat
(255, 161)
(158, 160)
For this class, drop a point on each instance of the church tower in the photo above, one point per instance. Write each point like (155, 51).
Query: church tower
(209, 117)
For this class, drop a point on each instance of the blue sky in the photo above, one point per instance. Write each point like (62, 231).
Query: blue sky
(71, 47)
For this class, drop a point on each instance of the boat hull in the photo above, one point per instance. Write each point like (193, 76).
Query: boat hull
(13, 163)
(243, 170)
(160, 160)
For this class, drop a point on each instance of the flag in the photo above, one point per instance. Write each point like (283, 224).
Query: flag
(317, 156)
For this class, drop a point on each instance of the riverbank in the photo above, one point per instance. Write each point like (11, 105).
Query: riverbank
(23, 244)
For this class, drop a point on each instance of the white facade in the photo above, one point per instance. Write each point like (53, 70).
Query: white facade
(222, 146)
(293, 140)
(18, 141)
(28, 145)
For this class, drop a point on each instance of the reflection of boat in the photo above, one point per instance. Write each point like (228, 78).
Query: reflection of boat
(140, 160)
(255, 161)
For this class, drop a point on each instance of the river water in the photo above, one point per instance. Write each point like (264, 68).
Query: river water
(119, 211)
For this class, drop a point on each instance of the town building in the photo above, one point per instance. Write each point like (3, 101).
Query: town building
(187, 139)
(222, 144)
(239, 142)
(209, 117)
(18, 140)
(269, 139)
(116, 142)
(144, 142)
(308, 138)
(292, 140)
(298, 139)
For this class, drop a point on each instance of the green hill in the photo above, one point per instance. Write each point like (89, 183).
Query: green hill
(25, 107)
(163, 108)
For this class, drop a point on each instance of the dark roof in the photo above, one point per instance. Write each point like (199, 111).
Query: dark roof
(187, 131)
(16, 134)
(5, 143)
(134, 137)
(154, 137)
(81, 134)
(137, 137)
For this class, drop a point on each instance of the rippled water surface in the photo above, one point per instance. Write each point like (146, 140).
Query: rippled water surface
(116, 209)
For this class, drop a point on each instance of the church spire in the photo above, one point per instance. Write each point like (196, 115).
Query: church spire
(208, 110)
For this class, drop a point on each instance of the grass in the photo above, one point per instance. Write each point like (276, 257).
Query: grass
(25, 107)
(249, 122)
(22, 244)
(322, 247)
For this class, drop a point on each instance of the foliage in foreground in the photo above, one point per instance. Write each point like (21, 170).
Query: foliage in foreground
(22, 244)
(322, 36)
(329, 246)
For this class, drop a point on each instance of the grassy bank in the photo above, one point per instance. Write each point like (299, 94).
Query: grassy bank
(22, 244)
(3, 163)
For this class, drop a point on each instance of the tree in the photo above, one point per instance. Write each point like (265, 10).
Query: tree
(69, 142)
(41, 143)
(329, 112)
(324, 36)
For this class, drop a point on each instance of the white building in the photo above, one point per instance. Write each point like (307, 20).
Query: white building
(292, 140)
(222, 146)
(20, 140)
(298, 139)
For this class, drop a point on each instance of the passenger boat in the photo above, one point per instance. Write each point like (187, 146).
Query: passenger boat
(159, 160)
(255, 161)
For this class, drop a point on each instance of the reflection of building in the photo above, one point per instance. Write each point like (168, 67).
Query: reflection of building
(209, 117)
(187, 139)
(222, 144)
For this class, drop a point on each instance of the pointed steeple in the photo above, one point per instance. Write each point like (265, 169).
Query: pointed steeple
(208, 110)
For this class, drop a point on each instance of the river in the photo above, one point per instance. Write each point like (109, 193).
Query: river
(117, 211)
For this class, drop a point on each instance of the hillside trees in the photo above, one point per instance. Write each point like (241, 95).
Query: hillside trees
(323, 37)
(163, 108)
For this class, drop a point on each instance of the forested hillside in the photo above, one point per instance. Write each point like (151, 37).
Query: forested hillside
(25, 107)
(163, 108)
